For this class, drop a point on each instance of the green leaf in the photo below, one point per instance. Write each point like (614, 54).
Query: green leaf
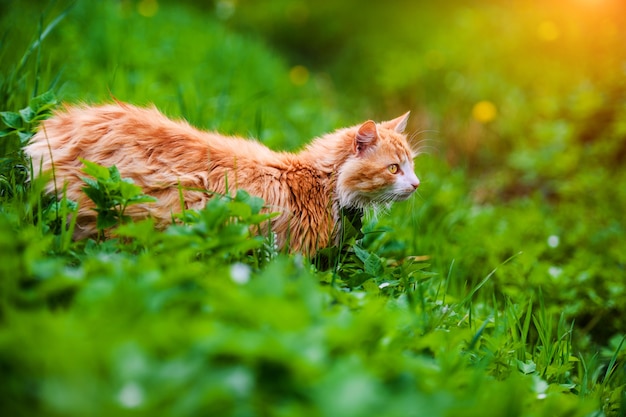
(527, 367)
(143, 232)
(371, 287)
(11, 119)
(91, 182)
(27, 114)
(351, 224)
(43, 102)
(58, 208)
(411, 266)
(95, 170)
(255, 203)
(241, 210)
(144, 198)
(106, 219)
(115, 176)
(359, 278)
(373, 265)
(24, 136)
(260, 218)
(128, 190)
(96, 195)
(6, 132)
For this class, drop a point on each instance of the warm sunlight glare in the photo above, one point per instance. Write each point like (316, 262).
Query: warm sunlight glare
(548, 31)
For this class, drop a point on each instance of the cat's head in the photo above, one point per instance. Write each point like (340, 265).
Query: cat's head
(379, 169)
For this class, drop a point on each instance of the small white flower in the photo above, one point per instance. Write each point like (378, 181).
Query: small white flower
(555, 271)
(553, 241)
(540, 387)
(384, 285)
(240, 273)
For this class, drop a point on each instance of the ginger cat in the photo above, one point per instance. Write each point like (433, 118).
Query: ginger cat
(353, 168)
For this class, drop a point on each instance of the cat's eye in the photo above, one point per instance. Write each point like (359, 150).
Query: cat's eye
(393, 168)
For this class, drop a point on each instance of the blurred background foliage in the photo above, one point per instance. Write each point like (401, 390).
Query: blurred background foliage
(523, 101)
(520, 110)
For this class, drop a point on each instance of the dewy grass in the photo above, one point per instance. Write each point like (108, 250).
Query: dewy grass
(204, 317)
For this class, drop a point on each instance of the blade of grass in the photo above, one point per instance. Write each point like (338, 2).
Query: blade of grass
(611, 367)
(42, 35)
(469, 296)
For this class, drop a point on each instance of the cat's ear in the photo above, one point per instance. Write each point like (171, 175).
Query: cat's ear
(365, 137)
(398, 124)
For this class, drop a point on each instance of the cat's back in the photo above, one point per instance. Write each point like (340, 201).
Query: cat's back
(114, 134)
(83, 122)
(108, 134)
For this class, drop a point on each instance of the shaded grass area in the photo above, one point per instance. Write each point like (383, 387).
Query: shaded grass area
(498, 290)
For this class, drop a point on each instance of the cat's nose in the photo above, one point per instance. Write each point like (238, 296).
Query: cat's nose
(415, 183)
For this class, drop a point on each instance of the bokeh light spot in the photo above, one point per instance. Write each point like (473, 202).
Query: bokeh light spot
(553, 241)
(548, 31)
(148, 8)
(299, 75)
(484, 111)
(225, 9)
(131, 395)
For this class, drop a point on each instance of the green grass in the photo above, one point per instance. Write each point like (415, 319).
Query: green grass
(498, 290)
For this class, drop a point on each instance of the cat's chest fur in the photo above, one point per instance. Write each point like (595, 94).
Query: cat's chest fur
(351, 168)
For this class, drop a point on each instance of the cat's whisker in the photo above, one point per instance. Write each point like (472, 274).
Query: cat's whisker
(417, 193)
(423, 145)
(428, 150)
(412, 138)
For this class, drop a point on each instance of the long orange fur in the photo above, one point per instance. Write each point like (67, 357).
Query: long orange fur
(356, 167)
